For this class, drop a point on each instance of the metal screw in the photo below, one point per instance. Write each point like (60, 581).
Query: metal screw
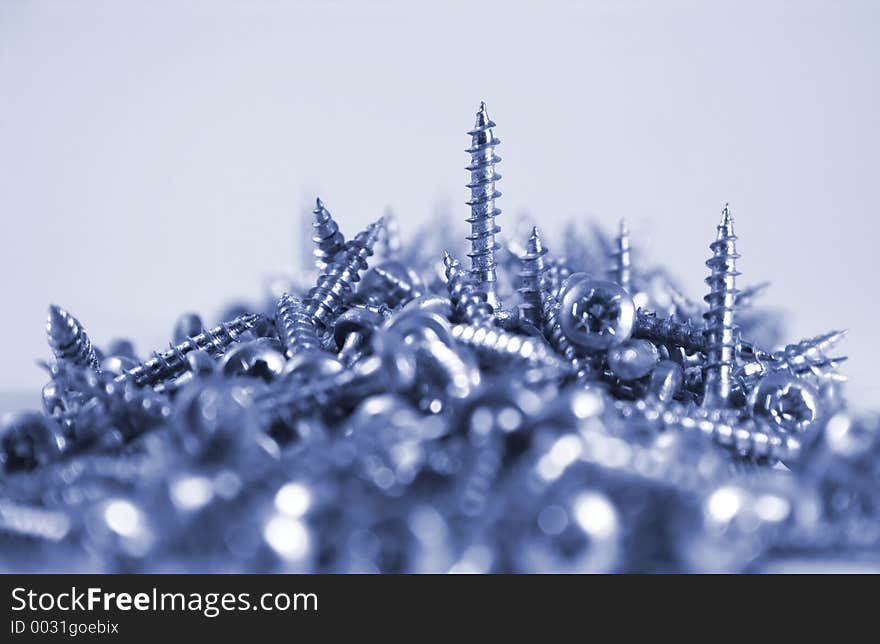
(171, 363)
(531, 277)
(595, 314)
(632, 359)
(353, 330)
(69, 340)
(496, 345)
(295, 327)
(335, 286)
(390, 283)
(786, 401)
(482, 203)
(468, 301)
(327, 238)
(721, 336)
(621, 271)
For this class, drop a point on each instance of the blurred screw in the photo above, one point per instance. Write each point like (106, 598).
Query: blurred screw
(621, 271)
(632, 359)
(29, 440)
(69, 340)
(788, 402)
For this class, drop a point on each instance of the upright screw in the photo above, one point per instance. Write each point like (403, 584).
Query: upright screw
(553, 330)
(69, 341)
(482, 203)
(720, 328)
(173, 362)
(335, 286)
(468, 301)
(621, 271)
(295, 327)
(531, 277)
(327, 238)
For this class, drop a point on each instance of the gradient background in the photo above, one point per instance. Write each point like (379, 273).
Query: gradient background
(155, 156)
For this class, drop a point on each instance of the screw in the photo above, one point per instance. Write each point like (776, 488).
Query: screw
(621, 271)
(29, 440)
(68, 339)
(295, 327)
(482, 203)
(262, 358)
(353, 330)
(594, 314)
(666, 380)
(632, 359)
(747, 438)
(494, 345)
(392, 283)
(468, 302)
(171, 363)
(720, 328)
(788, 402)
(531, 276)
(390, 243)
(334, 287)
(804, 357)
(553, 330)
(327, 239)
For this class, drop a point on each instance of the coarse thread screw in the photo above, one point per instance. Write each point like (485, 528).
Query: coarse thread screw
(720, 327)
(335, 286)
(482, 203)
(553, 330)
(804, 357)
(172, 363)
(531, 277)
(745, 437)
(295, 327)
(327, 238)
(468, 301)
(621, 270)
(399, 289)
(555, 274)
(496, 344)
(69, 341)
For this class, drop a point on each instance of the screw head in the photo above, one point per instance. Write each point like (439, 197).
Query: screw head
(789, 403)
(632, 359)
(28, 440)
(595, 314)
(356, 320)
(261, 358)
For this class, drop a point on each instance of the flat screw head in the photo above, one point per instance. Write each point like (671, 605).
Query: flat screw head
(595, 314)
(790, 403)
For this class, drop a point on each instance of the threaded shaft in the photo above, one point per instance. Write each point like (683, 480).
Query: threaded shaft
(720, 327)
(172, 363)
(555, 273)
(482, 203)
(399, 290)
(745, 437)
(294, 326)
(336, 285)
(649, 326)
(621, 271)
(327, 238)
(531, 276)
(553, 330)
(468, 302)
(391, 244)
(495, 343)
(804, 357)
(68, 339)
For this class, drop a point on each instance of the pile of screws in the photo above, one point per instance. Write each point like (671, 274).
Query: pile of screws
(400, 412)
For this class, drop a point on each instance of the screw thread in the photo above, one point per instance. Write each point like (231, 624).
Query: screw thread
(327, 238)
(468, 301)
(621, 271)
(745, 437)
(720, 327)
(482, 203)
(391, 243)
(804, 357)
(553, 330)
(555, 273)
(649, 326)
(335, 286)
(68, 339)
(294, 326)
(399, 290)
(495, 343)
(531, 277)
(171, 363)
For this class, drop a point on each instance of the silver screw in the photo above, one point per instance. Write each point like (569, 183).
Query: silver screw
(721, 336)
(295, 327)
(595, 314)
(482, 203)
(335, 287)
(468, 301)
(68, 339)
(621, 271)
(353, 330)
(531, 277)
(495, 345)
(171, 363)
(328, 240)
